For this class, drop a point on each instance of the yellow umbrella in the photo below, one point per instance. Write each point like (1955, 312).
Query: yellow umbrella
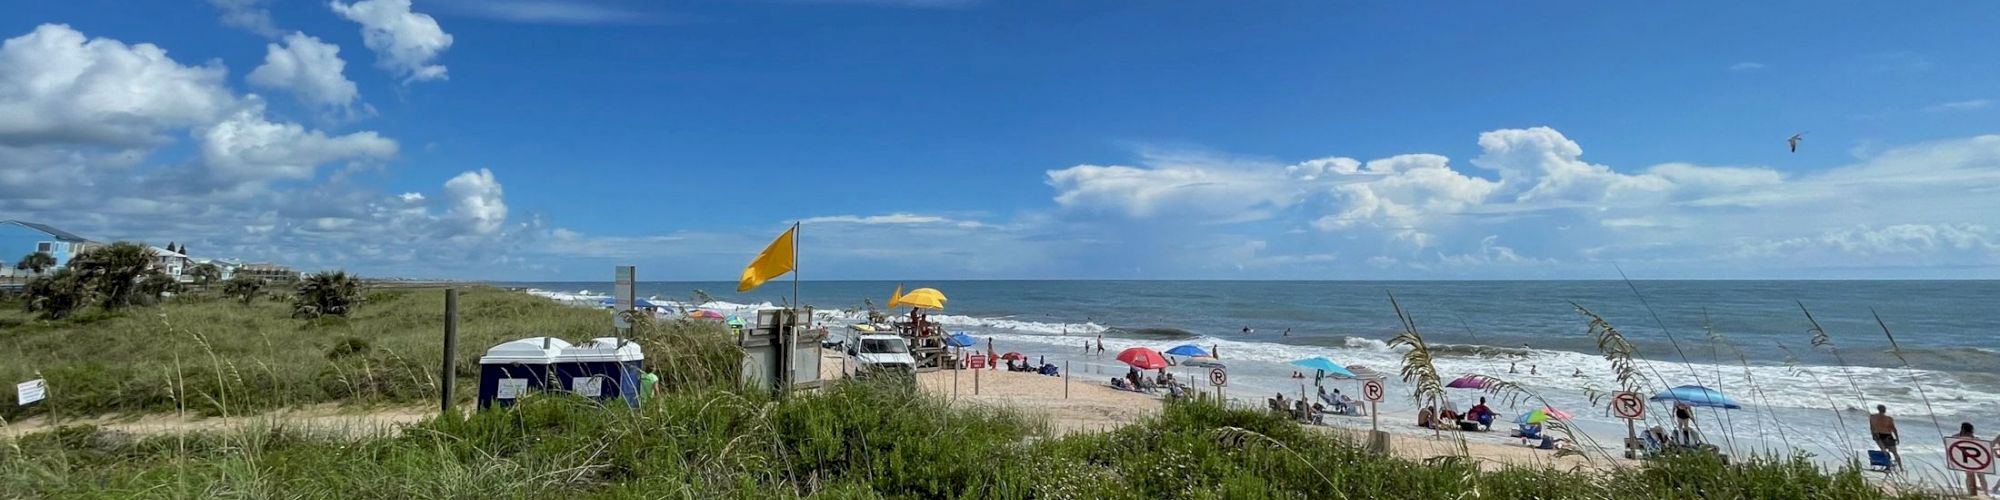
(928, 298)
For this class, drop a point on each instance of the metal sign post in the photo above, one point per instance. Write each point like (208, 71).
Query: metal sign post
(1372, 391)
(622, 288)
(1219, 378)
(1629, 406)
(448, 373)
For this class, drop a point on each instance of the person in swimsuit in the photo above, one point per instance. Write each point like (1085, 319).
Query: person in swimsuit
(1883, 427)
(1975, 483)
(1684, 419)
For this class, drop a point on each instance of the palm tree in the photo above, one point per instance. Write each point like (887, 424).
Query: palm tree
(157, 284)
(244, 287)
(57, 294)
(36, 262)
(113, 272)
(205, 274)
(327, 293)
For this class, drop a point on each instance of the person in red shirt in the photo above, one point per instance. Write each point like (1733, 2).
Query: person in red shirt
(1482, 414)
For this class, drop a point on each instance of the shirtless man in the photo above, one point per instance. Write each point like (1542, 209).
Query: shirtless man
(1883, 428)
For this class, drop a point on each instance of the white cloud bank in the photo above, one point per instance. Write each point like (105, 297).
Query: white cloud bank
(1915, 206)
(90, 140)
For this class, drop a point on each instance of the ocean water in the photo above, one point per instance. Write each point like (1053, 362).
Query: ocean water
(1750, 339)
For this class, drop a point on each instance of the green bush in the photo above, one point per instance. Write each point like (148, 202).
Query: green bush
(329, 293)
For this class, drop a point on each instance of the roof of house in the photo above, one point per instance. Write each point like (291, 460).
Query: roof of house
(162, 252)
(51, 231)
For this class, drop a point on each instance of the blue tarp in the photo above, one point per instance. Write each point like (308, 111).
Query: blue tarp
(959, 339)
(1695, 395)
(1187, 350)
(1326, 365)
(636, 302)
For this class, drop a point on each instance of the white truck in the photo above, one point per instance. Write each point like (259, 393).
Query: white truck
(875, 354)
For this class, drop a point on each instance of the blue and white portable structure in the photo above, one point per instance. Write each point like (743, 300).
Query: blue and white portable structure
(511, 370)
(603, 369)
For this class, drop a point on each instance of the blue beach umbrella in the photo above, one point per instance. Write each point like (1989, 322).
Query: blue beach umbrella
(1695, 395)
(959, 339)
(1188, 350)
(1326, 365)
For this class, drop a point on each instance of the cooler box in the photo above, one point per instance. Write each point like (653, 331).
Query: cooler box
(510, 370)
(601, 370)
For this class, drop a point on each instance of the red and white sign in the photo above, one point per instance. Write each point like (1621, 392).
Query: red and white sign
(1969, 455)
(1628, 405)
(1372, 390)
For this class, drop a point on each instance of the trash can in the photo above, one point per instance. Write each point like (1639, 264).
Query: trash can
(510, 370)
(601, 370)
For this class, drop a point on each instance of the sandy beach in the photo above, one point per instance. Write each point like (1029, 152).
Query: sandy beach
(1089, 405)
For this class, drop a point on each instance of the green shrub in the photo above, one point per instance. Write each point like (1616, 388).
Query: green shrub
(328, 293)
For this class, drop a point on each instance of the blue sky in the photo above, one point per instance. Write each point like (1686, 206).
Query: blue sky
(545, 139)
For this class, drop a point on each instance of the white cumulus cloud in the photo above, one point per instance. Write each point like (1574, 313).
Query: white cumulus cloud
(250, 15)
(476, 200)
(307, 67)
(56, 86)
(405, 42)
(247, 147)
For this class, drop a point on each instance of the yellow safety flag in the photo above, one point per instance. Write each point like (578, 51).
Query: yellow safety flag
(896, 298)
(774, 261)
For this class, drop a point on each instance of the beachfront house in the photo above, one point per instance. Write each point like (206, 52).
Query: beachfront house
(175, 264)
(268, 271)
(227, 266)
(20, 238)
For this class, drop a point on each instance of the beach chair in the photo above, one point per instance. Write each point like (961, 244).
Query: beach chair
(1879, 461)
(1654, 447)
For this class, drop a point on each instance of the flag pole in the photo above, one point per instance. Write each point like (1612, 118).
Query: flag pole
(793, 366)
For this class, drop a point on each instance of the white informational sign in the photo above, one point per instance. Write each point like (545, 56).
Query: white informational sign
(1628, 405)
(589, 387)
(1218, 377)
(1969, 455)
(622, 289)
(1372, 390)
(31, 391)
(511, 388)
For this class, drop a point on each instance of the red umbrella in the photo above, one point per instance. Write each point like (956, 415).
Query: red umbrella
(1013, 356)
(1143, 358)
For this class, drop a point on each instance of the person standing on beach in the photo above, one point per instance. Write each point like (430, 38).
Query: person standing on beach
(1684, 419)
(1100, 344)
(1975, 483)
(1883, 427)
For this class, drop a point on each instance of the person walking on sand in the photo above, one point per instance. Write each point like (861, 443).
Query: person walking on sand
(1975, 483)
(1883, 427)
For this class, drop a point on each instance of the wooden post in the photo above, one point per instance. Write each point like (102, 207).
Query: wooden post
(448, 373)
(1065, 380)
(975, 381)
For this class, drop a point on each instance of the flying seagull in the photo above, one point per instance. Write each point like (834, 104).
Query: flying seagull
(1794, 141)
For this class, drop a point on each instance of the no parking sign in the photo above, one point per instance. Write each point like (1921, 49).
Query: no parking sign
(1969, 455)
(1372, 390)
(1628, 405)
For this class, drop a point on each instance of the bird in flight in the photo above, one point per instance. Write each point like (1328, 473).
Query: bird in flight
(1794, 141)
